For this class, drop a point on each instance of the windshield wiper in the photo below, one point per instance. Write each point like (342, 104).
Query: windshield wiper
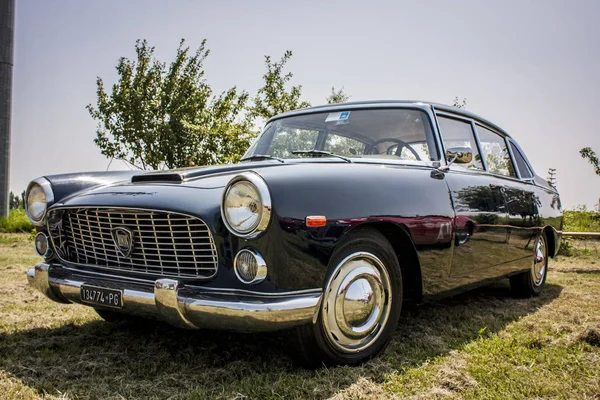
(258, 157)
(321, 153)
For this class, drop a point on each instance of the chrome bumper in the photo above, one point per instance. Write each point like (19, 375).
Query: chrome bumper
(184, 306)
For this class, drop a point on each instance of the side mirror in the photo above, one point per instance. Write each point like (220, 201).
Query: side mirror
(459, 155)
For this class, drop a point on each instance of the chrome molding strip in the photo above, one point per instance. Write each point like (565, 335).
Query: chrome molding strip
(192, 286)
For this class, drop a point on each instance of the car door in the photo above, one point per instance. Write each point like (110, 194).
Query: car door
(521, 216)
(480, 233)
(523, 205)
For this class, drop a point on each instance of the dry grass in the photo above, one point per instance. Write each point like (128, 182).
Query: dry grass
(482, 344)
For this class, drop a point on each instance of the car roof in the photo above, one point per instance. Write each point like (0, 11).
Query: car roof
(388, 103)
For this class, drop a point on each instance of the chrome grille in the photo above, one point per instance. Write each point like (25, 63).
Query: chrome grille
(164, 244)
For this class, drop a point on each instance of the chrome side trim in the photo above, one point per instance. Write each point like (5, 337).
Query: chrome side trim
(243, 292)
(185, 306)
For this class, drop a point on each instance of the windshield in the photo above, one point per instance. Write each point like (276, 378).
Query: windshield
(396, 134)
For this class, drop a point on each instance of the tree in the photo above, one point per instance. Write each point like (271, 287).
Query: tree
(590, 154)
(14, 201)
(158, 117)
(337, 96)
(551, 178)
(459, 103)
(273, 98)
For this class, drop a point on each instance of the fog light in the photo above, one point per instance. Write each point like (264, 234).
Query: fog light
(42, 245)
(250, 267)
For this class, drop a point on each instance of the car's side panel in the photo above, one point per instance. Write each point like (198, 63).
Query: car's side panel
(481, 232)
(349, 195)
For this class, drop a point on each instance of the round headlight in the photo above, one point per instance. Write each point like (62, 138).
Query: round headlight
(42, 245)
(250, 267)
(246, 205)
(39, 196)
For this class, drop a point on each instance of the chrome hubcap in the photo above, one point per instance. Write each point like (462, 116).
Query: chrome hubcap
(539, 262)
(357, 302)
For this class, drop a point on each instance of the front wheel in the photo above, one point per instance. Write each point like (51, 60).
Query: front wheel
(361, 303)
(531, 283)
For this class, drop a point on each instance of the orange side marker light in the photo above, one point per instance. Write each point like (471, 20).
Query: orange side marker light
(314, 221)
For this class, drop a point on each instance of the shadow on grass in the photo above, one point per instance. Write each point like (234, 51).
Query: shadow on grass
(98, 360)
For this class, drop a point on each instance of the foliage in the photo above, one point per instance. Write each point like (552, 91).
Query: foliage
(16, 222)
(551, 177)
(591, 156)
(459, 103)
(274, 98)
(578, 220)
(581, 220)
(15, 201)
(338, 96)
(158, 117)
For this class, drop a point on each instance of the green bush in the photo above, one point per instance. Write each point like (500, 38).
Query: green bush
(16, 221)
(581, 220)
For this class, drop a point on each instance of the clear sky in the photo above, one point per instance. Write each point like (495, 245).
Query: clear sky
(532, 67)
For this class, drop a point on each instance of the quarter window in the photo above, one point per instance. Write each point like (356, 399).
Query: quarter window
(493, 147)
(524, 169)
(458, 135)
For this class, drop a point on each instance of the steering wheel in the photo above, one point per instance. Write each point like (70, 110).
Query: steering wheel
(401, 144)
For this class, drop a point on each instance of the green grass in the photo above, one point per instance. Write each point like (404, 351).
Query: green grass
(481, 344)
(16, 222)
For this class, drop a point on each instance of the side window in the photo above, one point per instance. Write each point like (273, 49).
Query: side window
(458, 135)
(524, 169)
(493, 146)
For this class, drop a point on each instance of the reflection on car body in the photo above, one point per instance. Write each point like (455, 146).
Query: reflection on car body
(335, 216)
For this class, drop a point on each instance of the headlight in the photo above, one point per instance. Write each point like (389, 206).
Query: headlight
(246, 205)
(37, 199)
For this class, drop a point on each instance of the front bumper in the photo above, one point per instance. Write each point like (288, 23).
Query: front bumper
(184, 306)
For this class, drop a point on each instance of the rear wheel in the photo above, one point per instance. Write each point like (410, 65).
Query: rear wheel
(531, 283)
(361, 303)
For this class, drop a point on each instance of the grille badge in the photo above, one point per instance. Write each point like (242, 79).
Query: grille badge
(123, 239)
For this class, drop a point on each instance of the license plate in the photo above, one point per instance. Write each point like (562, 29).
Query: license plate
(101, 296)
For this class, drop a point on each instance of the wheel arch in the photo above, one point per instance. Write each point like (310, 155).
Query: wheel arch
(553, 239)
(401, 241)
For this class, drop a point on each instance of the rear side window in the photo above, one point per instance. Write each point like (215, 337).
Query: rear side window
(493, 147)
(524, 169)
(458, 135)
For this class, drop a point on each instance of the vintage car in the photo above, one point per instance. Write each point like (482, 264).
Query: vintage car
(335, 217)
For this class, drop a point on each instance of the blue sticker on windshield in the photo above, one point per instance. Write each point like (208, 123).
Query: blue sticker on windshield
(338, 116)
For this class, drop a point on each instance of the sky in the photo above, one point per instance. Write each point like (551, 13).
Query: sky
(532, 67)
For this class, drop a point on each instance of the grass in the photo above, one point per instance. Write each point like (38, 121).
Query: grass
(16, 222)
(481, 344)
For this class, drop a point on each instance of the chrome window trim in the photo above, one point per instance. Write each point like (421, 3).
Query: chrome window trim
(475, 137)
(48, 192)
(520, 150)
(419, 106)
(505, 139)
(67, 263)
(263, 191)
